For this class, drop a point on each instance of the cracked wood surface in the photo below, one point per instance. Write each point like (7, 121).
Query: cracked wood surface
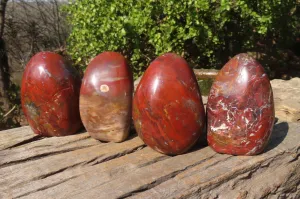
(287, 99)
(78, 166)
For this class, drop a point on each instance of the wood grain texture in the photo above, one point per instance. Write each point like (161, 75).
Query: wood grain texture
(78, 166)
(286, 98)
(206, 73)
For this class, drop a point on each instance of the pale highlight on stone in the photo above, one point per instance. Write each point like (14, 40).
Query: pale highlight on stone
(104, 88)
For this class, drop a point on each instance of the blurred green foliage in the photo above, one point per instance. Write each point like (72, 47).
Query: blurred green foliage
(205, 85)
(206, 33)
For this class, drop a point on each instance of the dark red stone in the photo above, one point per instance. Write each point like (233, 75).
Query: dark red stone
(240, 108)
(106, 97)
(50, 95)
(168, 112)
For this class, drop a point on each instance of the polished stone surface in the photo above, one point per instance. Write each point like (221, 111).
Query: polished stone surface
(50, 95)
(240, 108)
(106, 97)
(168, 112)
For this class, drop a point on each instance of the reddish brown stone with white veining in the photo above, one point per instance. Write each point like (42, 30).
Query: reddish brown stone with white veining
(106, 97)
(50, 95)
(168, 112)
(240, 108)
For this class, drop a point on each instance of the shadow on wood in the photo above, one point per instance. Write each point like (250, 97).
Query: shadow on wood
(280, 131)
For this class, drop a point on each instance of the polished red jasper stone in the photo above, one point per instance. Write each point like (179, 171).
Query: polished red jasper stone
(168, 112)
(106, 97)
(50, 95)
(240, 108)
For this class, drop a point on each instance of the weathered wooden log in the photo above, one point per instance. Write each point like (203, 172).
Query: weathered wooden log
(287, 99)
(78, 166)
(206, 73)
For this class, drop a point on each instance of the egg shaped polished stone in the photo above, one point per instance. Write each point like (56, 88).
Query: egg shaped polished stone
(106, 97)
(50, 95)
(240, 108)
(168, 112)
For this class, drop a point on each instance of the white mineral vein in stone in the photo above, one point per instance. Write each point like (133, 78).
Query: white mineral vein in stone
(222, 127)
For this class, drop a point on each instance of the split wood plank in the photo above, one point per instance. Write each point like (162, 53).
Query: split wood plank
(78, 166)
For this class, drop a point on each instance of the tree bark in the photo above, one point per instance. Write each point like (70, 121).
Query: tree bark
(4, 68)
(2, 15)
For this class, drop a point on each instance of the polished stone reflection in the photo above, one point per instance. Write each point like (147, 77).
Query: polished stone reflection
(240, 108)
(106, 97)
(168, 111)
(50, 95)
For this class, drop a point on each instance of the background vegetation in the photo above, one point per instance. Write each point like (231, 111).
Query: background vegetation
(205, 33)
